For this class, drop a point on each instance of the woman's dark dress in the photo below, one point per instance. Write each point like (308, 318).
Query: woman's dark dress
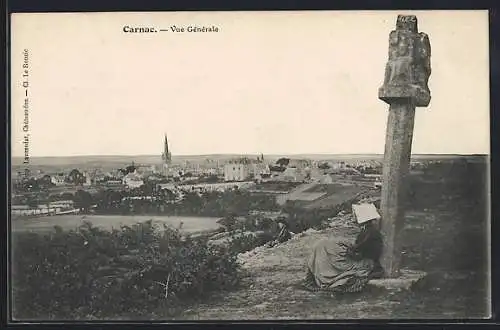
(341, 268)
(369, 245)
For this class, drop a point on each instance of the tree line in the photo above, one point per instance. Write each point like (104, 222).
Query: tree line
(148, 200)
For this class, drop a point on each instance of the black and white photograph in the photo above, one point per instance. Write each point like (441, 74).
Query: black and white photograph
(264, 165)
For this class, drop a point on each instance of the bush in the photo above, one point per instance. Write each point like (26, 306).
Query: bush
(92, 273)
(244, 243)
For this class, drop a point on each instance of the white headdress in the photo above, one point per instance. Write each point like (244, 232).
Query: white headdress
(365, 212)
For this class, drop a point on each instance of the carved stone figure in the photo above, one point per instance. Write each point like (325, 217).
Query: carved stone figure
(400, 64)
(408, 67)
(423, 65)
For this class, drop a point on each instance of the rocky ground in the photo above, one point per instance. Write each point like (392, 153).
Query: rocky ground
(455, 287)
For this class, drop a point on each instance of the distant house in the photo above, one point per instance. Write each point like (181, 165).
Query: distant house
(211, 171)
(113, 182)
(337, 165)
(374, 176)
(168, 186)
(154, 177)
(99, 178)
(261, 171)
(116, 174)
(145, 169)
(236, 172)
(292, 174)
(316, 174)
(42, 209)
(58, 179)
(263, 177)
(132, 180)
(66, 204)
(88, 179)
(190, 178)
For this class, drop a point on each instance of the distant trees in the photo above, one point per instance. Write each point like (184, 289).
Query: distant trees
(46, 180)
(369, 170)
(324, 166)
(277, 168)
(32, 202)
(148, 189)
(109, 201)
(130, 169)
(212, 178)
(147, 200)
(67, 196)
(76, 177)
(228, 222)
(83, 200)
(31, 184)
(283, 162)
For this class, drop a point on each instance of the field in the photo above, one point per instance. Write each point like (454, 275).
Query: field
(336, 194)
(43, 224)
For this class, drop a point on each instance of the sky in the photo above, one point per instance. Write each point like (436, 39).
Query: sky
(267, 82)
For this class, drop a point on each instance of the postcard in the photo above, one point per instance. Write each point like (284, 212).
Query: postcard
(287, 165)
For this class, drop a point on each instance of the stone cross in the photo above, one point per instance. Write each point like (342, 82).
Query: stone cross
(405, 87)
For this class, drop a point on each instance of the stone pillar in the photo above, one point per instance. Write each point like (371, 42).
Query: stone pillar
(405, 87)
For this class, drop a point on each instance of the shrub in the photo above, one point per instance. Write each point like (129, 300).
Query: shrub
(92, 273)
(301, 220)
(244, 243)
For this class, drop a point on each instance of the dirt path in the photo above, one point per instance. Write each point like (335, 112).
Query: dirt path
(271, 290)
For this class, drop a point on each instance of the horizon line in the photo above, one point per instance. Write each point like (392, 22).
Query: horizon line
(245, 154)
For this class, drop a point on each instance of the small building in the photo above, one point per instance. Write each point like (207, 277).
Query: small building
(373, 176)
(58, 179)
(154, 178)
(132, 180)
(293, 174)
(211, 171)
(66, 204)
(145, 169)
(236, 172)
(88, 179)
(114, 183)
(260, 168)
(190, 178)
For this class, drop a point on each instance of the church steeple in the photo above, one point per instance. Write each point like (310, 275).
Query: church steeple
(165, 148)
(166, 156)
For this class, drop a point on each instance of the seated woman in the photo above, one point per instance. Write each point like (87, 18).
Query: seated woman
(283, 234)
(340, 267)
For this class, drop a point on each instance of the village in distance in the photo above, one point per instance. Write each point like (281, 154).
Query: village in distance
(49, 185)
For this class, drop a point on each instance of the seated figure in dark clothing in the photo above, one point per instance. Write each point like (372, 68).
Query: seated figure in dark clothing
(342, 267)
(283, 234)
(368, 245)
